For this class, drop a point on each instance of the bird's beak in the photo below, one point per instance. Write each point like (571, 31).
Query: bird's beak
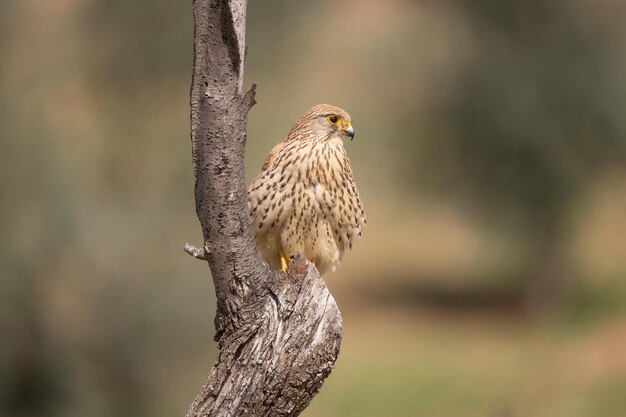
(349, 131)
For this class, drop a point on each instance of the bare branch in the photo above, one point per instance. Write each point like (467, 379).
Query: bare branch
(278, 333)
(218, 133)
(198, 253)
(277, 360)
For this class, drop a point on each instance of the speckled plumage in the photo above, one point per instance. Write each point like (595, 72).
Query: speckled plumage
(305, 198)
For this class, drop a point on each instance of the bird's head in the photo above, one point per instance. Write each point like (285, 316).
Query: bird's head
(323, 122)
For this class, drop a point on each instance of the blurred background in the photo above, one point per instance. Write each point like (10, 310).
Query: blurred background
(490, 152)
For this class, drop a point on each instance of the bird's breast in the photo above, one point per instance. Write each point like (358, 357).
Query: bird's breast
(323, 163)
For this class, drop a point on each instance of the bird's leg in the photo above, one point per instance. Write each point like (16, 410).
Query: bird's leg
(285, 261)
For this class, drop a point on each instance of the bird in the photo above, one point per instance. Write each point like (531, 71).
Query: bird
(305, 199)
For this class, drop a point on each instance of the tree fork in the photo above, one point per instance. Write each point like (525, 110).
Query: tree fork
(278, 333)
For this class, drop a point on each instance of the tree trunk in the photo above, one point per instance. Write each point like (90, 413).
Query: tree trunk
(278, 333)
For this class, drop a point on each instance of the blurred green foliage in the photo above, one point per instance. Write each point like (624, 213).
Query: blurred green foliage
(533, 118)
(469, 115)
(535, 113)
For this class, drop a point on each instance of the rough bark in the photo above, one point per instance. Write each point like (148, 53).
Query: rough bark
(278, 334)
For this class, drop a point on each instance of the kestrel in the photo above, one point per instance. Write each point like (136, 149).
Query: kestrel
(305, 199)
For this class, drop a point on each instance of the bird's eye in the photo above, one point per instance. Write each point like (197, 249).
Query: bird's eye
(333, 119)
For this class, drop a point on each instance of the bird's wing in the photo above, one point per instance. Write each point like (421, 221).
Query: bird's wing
(348, 217)
(270, 161)
(341, 204)
(266, 193)
(271, 158)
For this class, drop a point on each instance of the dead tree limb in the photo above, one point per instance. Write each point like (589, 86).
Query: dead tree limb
(278, 334)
